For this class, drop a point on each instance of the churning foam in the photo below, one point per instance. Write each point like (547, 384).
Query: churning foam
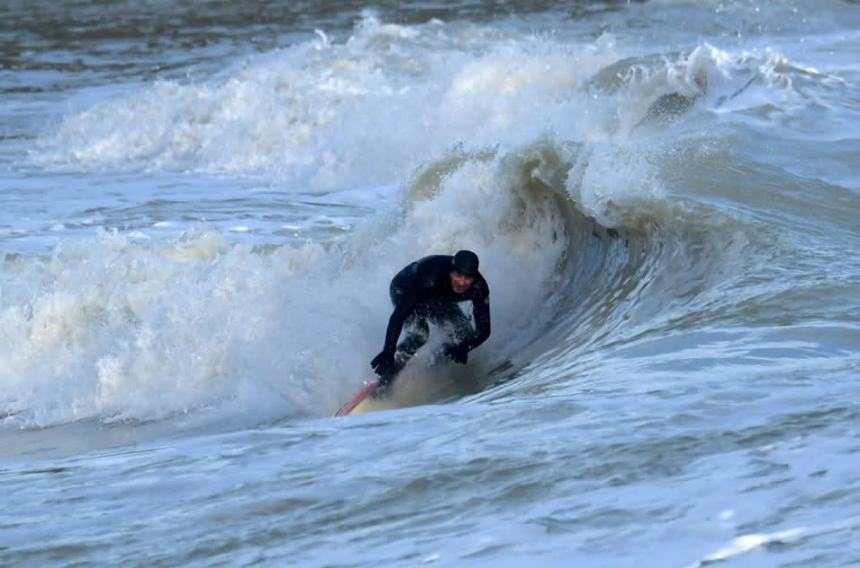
(124, 328)
(371, 109)
(328, 115)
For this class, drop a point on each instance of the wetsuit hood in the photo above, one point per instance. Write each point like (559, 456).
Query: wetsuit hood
(465, 262)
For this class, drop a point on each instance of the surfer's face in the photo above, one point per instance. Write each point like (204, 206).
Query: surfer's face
(460, 282)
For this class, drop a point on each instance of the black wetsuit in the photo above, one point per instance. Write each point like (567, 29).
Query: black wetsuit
(422, 293)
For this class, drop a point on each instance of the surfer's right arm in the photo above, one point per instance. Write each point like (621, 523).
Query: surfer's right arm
(406, 303)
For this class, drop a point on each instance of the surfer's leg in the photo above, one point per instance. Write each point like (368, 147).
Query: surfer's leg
(459, 327)
(451, 316)
(418, 331)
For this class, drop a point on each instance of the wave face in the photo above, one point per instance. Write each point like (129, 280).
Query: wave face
(197, 234)
(103, 328)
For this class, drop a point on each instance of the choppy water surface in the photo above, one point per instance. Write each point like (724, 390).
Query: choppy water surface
(202, 207)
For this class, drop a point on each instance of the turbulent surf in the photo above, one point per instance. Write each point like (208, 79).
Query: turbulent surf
(198, 232)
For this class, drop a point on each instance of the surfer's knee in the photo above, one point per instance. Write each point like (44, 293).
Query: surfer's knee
(421, 329)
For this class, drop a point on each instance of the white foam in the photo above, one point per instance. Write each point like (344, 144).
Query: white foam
(320, 115)
(367, 112)
(123, 328)
(748, 543)
(753, 542)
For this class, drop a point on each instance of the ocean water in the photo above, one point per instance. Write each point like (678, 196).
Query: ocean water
(202, 205)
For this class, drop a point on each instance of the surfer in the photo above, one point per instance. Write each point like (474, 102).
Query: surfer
(428, 290)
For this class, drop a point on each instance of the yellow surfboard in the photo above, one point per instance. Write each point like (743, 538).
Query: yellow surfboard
(416, 385)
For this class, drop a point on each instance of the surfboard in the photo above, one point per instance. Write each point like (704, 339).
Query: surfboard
(424, 383)
(361, 402)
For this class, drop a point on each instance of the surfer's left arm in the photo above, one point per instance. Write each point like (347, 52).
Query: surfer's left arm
(481, 311)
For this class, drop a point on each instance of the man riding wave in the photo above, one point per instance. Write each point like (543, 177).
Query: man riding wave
(428, 291)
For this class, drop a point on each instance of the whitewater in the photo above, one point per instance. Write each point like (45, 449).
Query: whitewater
(202, 206)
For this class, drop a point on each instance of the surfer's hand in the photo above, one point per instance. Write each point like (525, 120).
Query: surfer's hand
(386, 379)
(382, 362)
(457, 353)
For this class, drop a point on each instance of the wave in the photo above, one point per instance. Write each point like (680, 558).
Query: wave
(561, 189)
(579, 245)
(323, 115)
